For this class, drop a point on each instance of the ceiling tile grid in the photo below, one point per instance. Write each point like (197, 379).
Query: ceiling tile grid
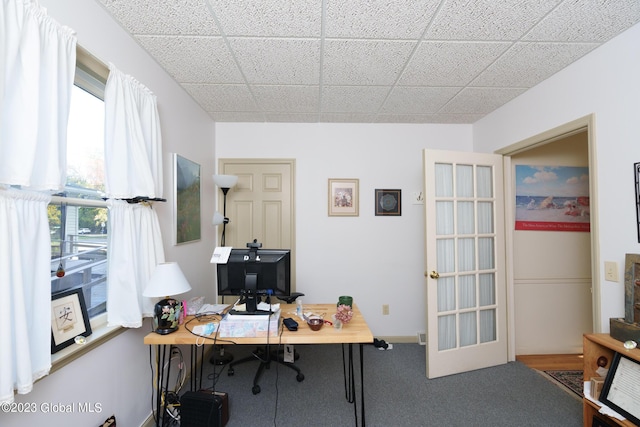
(365, 61)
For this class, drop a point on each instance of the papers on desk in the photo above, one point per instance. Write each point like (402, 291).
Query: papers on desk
(212, 308)
(220, 255)
(262, 306)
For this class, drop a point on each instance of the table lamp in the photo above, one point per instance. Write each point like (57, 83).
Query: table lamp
(167, 279)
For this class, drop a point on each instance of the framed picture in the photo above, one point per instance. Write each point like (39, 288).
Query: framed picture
(69, 318)
(620, 390)
(343, 197)
(636, 168)
(388, 202)
(186, 176)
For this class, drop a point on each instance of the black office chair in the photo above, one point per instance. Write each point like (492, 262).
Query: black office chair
(265, 356)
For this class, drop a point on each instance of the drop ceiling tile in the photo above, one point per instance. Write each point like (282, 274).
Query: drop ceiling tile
(292, 99)
(417, 100)
(193, 59)
(487, 19)
(346, 118)
(238, 116)
(186, 17)
(391, 19)
(219, 98)
(449, 63)
(527, 64)
(274, 18)
(292, 117)
(480, 100)
(278, 61)
(353, 99)
(592, 21)
(364, 62)
(429, 118)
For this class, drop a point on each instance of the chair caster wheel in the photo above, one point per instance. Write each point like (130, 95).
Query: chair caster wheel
(230, 372)
(255, 389)
(300, 377)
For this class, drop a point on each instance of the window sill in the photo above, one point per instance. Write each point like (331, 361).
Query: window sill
(101, 333)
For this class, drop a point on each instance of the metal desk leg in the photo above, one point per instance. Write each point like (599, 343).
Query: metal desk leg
(350, 382)
(161, 404)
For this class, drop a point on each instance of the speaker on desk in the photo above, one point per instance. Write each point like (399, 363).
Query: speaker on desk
(204, 409)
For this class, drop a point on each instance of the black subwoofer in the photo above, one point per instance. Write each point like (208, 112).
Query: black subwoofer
(204, 409)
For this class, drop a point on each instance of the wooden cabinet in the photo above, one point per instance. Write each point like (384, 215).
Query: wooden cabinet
(595, 347)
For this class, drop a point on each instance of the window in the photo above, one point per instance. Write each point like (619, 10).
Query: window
(78, 217)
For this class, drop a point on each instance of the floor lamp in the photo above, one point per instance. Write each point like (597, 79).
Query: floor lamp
(225, 182)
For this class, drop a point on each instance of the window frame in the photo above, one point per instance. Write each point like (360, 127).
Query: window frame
(91, 75)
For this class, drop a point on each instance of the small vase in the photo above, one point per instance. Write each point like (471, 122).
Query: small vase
(336, 323)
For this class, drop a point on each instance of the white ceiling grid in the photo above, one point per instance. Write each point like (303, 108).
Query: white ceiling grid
(366, 61)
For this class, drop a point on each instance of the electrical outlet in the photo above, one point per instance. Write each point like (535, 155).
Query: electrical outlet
(385, 309)
(611, 271)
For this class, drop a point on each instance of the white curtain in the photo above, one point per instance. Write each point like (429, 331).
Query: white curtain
(37, 70)
(133, 145)
(133, 168)
(135, 248)
(25, 289)
(37, 64)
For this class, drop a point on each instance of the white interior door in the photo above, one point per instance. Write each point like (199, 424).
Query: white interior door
(465, 262)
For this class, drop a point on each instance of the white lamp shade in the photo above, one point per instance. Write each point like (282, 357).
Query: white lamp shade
(218, 218)
(225, 181)
(166, 280)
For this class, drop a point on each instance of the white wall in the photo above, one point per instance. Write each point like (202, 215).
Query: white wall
(604, 83)
(378, 260)
(116, 375)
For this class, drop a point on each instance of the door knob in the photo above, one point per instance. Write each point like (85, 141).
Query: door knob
(434, 275)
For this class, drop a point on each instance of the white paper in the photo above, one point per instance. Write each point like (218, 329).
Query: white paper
(221, 255)
(212, 308)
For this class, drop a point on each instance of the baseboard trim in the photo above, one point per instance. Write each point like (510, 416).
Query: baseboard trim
(400, 339)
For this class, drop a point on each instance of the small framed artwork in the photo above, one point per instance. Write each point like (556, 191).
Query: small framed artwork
(636, 167)
(69, 318)
(343, 197)
(186, 176)
(388, 202)
(620, 390)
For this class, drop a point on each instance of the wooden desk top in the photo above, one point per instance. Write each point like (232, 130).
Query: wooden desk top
(356, 331)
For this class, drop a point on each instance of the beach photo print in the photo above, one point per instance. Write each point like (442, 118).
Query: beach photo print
(552, 198)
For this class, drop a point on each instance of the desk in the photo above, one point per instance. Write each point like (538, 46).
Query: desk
(355, 332)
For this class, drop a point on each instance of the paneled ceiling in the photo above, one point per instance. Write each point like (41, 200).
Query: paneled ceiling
(366, 61)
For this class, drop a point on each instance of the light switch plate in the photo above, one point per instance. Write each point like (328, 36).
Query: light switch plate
(611, 271)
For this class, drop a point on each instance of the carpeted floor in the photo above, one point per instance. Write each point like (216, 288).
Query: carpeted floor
(572, 381)
(397, 393)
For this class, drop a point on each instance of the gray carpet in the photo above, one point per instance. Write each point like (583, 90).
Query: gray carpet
(397, 393)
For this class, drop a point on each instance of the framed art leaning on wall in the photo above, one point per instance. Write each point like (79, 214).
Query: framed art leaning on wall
(69, 318)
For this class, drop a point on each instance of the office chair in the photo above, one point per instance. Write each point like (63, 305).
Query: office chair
(265, 356)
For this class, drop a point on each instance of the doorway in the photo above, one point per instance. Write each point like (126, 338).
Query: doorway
(551, 274)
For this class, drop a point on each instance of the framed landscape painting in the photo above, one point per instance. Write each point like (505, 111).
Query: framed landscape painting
(187, 200)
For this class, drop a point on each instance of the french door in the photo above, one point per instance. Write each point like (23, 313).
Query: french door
(465, 262)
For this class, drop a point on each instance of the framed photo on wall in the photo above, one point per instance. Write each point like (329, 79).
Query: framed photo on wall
(388, 202)
(343, 197)
(69, 318)
(186, 176)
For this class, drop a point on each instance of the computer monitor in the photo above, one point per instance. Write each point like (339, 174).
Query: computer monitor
(254, 272)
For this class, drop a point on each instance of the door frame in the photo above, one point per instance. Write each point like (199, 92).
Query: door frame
(579, 125)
